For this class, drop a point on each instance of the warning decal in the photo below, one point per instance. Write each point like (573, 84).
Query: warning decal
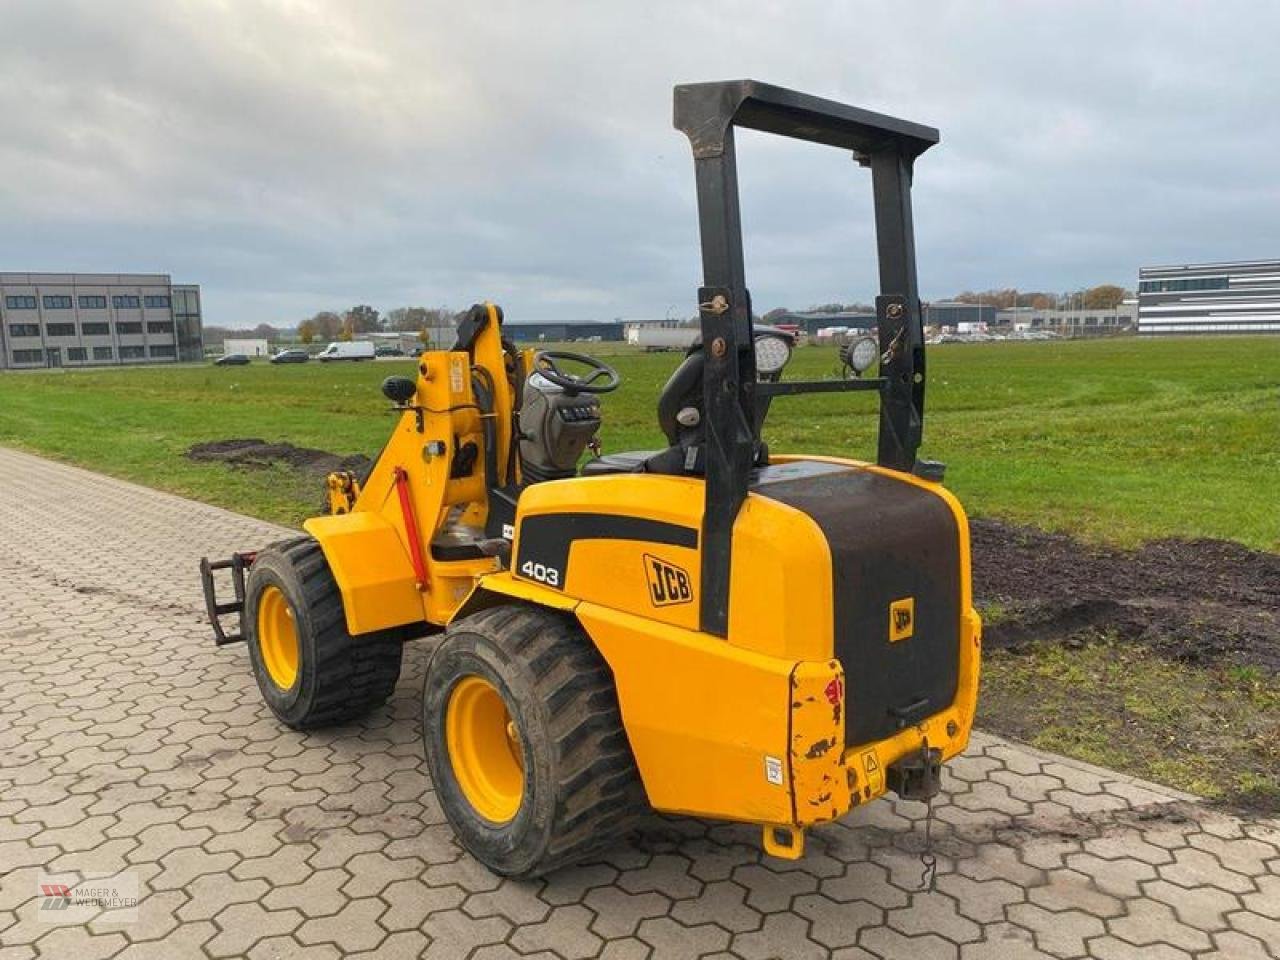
(875, 773)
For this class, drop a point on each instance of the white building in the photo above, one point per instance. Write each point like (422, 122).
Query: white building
(251, 347)
(1072, 320)
(1241, 297)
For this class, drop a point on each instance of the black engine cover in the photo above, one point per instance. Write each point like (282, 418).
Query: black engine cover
(890, 540)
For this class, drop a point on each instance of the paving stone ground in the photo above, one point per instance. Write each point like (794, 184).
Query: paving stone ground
(129, 743)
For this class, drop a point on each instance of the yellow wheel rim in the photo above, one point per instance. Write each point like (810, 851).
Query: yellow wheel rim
(278, 637)
(484, 749)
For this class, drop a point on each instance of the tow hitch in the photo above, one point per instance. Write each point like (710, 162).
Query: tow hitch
(238, 563)
(917, 776)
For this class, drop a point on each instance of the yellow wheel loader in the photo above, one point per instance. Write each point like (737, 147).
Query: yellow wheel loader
(707, 629)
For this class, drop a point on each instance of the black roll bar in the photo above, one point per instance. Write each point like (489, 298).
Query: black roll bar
(707, 113)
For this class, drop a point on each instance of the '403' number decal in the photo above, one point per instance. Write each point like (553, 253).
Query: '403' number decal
(541, 572)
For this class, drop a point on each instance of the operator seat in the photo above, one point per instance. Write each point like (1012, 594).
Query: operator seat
(632, 461)
(681, 394)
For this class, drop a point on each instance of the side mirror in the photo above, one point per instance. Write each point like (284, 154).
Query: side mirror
(399, 390)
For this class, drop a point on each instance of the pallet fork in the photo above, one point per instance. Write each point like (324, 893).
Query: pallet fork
(237, 564)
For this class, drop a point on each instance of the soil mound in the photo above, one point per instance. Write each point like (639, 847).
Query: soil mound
(1193, 600)
(258, 454)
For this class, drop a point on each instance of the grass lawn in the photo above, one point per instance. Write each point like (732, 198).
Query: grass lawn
(1116, 441)
(1120, 440)
(1209, 730)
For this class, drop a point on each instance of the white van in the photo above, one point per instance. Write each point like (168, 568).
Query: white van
(346, 350)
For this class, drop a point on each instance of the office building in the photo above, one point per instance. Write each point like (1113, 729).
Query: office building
(1242, 297)
(86, 319)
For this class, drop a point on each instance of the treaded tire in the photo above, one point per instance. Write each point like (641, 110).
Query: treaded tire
(581, 786)
(340, 677)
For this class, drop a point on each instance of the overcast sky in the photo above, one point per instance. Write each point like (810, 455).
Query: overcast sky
(299, 155)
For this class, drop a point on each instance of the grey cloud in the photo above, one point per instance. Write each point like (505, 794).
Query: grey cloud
(296, 156)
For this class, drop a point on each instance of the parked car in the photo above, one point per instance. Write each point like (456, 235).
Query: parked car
(346, 350)
(291, 356)
(388, 350)
(231, 360)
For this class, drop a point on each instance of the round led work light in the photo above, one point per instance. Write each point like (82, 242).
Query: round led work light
(772, 354)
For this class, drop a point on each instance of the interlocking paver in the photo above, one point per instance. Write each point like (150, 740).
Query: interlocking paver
(724, 901)
(518, 903)
(1120, 877)
(934, 913)
(1148, 922)
(1003, 941)
(1236, 946)
(619, 913)
(567, 931)
(244, 924)
(671, 939)
(1199, 868)
(783, 935)
(1109, 948)
(354, 927)
(1064, 934)
(1261, 928)
(128, 742)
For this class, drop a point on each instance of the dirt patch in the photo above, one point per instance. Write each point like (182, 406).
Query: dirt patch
(1161, 661)
(1196, 601)
(257, 454)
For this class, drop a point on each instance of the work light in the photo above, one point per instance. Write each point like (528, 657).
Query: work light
(862, 353)
(772, 354)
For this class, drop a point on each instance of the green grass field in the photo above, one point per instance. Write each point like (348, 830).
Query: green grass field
(1118, 440)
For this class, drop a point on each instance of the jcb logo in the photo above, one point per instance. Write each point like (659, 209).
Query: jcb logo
(668, 584)
(902, 619)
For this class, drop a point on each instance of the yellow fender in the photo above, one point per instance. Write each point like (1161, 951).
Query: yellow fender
(496, 588)
(372, 569)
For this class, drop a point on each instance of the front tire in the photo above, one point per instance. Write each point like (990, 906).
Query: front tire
(524, 741)
(310, 670)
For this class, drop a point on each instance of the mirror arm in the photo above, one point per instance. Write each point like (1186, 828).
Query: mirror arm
(418, 413)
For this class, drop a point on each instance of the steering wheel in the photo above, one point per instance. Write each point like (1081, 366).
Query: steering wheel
(544, 362)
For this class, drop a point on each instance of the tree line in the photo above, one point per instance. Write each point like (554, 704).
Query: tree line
(1106, 296)
(329, 325)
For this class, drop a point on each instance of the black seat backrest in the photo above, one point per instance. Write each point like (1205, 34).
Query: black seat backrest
(682, 389)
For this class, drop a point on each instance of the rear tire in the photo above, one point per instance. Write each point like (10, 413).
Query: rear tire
(317, 673)
(576, 786)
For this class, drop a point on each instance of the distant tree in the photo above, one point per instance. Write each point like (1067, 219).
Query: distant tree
(348, 330)
(776, 314)
(1096, 298)
(852, 307)
(265, 331)
(1103, 297)
(440, 317)
(214, 336)
(363, 319)
(307, 331)
(411, 319)
(424, 335)
(326, 324)
(999, 299)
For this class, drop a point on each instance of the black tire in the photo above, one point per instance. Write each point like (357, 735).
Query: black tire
(339, 677)
(581, 787)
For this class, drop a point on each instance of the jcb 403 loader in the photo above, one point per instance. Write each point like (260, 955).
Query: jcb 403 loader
(707, 629)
